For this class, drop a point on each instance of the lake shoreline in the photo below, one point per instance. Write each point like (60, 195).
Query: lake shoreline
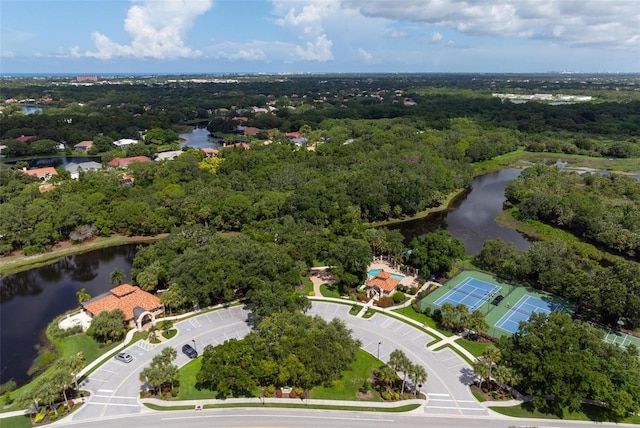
(18, 262)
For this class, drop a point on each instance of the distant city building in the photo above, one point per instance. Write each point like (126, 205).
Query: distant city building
(86, 78)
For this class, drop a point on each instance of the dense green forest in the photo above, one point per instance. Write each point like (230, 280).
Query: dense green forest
(250, 223)
(602, 208)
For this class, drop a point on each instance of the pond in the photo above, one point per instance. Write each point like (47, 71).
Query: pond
(30, 300)
(30, 110)
(471, 217)
(57, 161)
(200, 138)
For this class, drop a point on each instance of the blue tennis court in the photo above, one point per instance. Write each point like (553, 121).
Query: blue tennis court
(471, 292)
(522, 310)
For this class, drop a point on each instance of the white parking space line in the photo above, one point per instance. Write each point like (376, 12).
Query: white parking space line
(481, 409)
(105, 370)
(113, 404)
(435, 394)
(91, 379)
(106, 390)
(115, 396)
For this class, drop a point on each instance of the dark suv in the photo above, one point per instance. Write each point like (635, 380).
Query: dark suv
(189, 351)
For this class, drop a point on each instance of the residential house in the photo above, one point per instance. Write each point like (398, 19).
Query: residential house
(124, 142)
(43, 174)
(76, 168)
(124, 162)
(169, 155)
(209, 152)
(83, 146)
(139, 306)
(26, 138)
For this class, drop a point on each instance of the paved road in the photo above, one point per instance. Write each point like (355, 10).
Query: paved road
(265, 417)
(115, 386)
(448, 374)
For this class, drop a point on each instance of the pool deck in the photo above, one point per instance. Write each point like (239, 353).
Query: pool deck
(408, 280)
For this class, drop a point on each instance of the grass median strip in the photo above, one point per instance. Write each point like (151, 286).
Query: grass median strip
(302, 405)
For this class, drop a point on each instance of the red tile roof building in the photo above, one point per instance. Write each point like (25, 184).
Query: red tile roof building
(133, 301)
(43, 174)
(124, 162)
(383, 282)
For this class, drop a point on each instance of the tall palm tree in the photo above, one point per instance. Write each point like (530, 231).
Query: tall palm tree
(478, 323)
(83, 296)
(491, 356)
(400, 363)
(481, 369)
(61, 379)
(462, 314)
(418, 376)
(387, 375)
(116, 276)
(505, 375)
(75, 364)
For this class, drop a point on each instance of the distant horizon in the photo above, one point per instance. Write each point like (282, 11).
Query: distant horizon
(319, 36)
(283, 73)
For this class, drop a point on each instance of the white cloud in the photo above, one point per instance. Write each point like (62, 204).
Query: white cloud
(320, 50)
(251, 54)
(157, 29)
(397, 34)
(435, 37)
(365, 56)
(612, 23)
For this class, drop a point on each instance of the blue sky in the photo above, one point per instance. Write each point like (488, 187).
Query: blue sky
(226, 36)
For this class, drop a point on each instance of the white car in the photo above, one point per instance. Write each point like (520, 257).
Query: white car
(124, 357)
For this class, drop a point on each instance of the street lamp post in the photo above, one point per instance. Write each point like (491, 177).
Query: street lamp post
(379, 343)
(194, 345)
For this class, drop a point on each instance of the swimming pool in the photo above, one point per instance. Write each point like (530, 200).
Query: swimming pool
(374, 272)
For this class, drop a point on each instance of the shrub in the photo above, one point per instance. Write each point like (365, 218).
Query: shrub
(494, 395)
(397, 297)
(437, 315)
(293, 393)
(166, 324)
(269, 391)
(386, 395)
(33, 249)
(40, 416)
(174, 392)
(278, 393)
(413, 291)
(312, 293)
(385, 302)
(301, 392)
(362, 297)
(7, 399)
(8, 386)
(366, 386)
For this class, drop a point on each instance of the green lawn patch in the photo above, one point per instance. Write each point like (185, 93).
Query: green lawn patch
(347, 387)
(169, 333)
(587, 413)
(475, 348)
(409, 312)
(308, 286)
(16, 422)
(330, 290)
(478, 396)
(187, 377)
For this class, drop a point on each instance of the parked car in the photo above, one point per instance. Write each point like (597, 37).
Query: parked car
(189, 351)
(124, 357)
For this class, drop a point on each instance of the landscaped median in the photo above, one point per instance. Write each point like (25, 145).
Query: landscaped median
(395, 406)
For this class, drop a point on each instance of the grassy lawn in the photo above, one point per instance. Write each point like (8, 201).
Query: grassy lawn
(308, 286)
(475, 348)
(478, 396)
(16, 422)
(343, 389)
(422, 319)
(588, 413)
(187, 376)
(66, 347)
(329, 290)
(347, 387)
